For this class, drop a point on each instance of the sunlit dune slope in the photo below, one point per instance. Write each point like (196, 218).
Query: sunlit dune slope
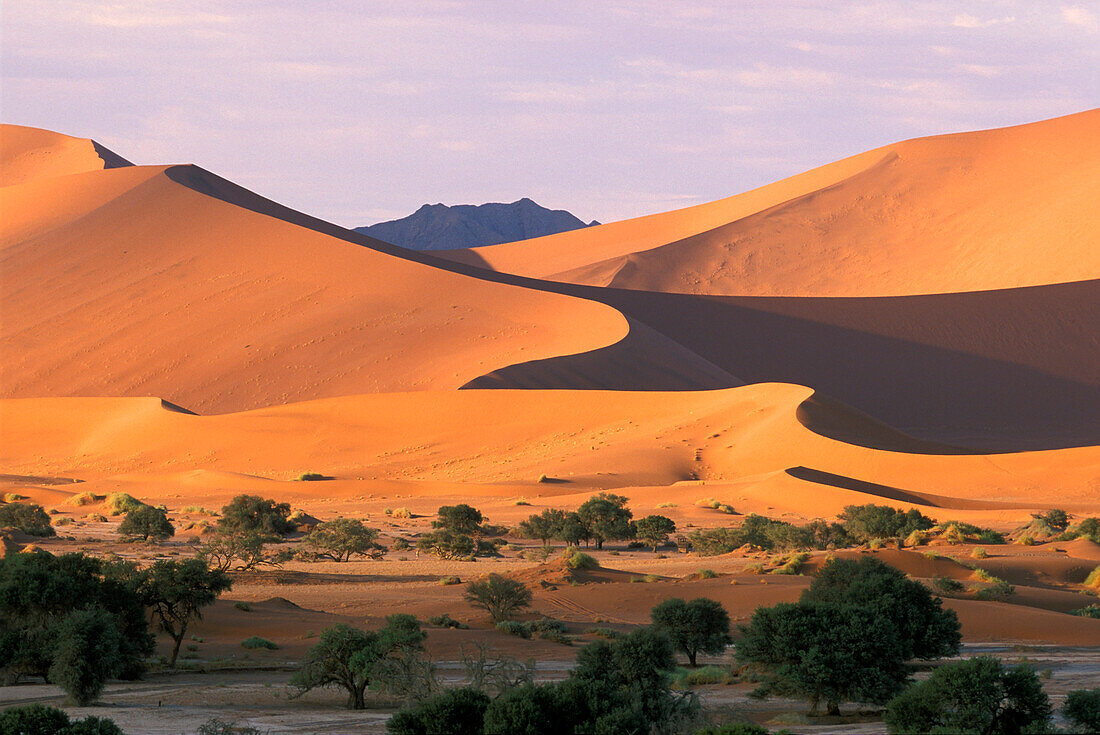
(153, 281)
(740, 442)
(27, 154)
(984, 210)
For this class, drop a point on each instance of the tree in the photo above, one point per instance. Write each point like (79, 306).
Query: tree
(699, 626)
(460, 518)
(979, 696)
(869, 522)
(824, 653)
(251, 513)
(500, 596)
(1056, 518)
(230, 548)
(40, 592)
(459, 711)
(447, 544)
(573, 530)
(531, 709)
(654, 530)
(29, 518)
(146, 522)
(544, 526)
(926, 630)
(606, 517)
(348, 657)
(340, 538)
(177, 591)
(1082, 708)
(86, 654)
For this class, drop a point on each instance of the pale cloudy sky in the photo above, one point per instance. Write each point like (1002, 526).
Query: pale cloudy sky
(362, 111)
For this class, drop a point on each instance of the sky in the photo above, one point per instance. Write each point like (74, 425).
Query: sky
(361, 111)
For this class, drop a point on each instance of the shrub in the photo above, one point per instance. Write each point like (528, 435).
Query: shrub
(699, 626)
(146, 523)
(400, 513)
(242, 606)
(311, 477)
(218, 726)
(608, 633)
(756, 568)
(1088, 528)
(256, 641)
(122, 503)
(979, 553)
(580, 560)
(870, 521)
(946, 585)
(706, 574)
(707, 503)
(1088, 611)
(341, 538)
(979, 695)
(400, 544)
(793, 564)
(512, 627)
(85, 498)
(555, 636)
(500, 596)
(1082, 709)
(706, 675)
(998, 590)
(447, 544)
(29, 518)
(86, 654)
(446, 621)
(459, 711)
(1093, 580)
(449, 580)
(253, 514)
(38, 719)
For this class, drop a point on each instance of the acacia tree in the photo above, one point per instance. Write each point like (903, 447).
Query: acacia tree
(500, 596)
(340, 538)
(230, 548)
(146, 523)
(251, 513)
(925, 629)
(606, 517)
(544, 526)
(699, 626)
(348, 657)
(824, 653)
(654, 530)
(979, 696)
(461, 518)
(177, 591)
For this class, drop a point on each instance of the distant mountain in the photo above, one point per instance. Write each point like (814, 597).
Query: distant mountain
(439, 227)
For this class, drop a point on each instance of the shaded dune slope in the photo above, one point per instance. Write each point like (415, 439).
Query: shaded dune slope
(28, 153)
(963, 212)
(129, 282)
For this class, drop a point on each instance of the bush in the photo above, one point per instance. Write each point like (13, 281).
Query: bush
(1088, 611)
(946, 585)
(500, 596)
(399, 513)
(979, 695)
(793, 564)
(340, 539)
(459, 711)
(1093, 580)
(146, 523)
(608, 633)
(555, 636)
(253, 514)
(29, 518)
(256, 641)
(704, 676)
(512, 627)
(706, 574)
(312, 477)
(446, 621)
(38, 719)
(734, 728)
(400, 544)
(85, 498)
(218, 726)
(122, 503)
(450, 580)
(699, 626)
(1082, 709)
(86, 654)
(867, 522)
(447, 544)
(998, 590)
(580, 560)
(979, 553)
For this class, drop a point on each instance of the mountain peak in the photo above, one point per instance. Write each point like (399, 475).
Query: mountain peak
(441, 227)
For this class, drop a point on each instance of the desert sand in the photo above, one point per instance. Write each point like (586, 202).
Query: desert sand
(916, 326)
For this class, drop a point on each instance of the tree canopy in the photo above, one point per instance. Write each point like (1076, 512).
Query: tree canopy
(654, 530)
(251, 513)
(699, 626)
(605, 517)
(177, 592)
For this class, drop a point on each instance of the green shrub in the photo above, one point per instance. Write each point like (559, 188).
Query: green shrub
(85, 498)
(513, 627)
(311, 477)
(947, 585)
(979, 553)
(342, 538)
(459, 711)
(446, 621)
(580, 560)
(38, 719)
(499, 596)
(608, 633)
(242, 606)
(1082, 709)
(450, 580)
(555, 636)
(998, 590)
(121, 503)
(868, 522)
(1093, 580)
(1088, 611)
(756, 568)
(29, 518)
(146, 523)
(703, 676)
(256, 641)
(706, 574)
(793, 564)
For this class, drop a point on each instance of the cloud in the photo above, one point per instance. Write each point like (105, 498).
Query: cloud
(1078, 16)
(970, 21)
(982, 70)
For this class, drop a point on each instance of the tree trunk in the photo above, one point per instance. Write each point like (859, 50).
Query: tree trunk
(691, 657)
(355, 699)
(176, 648)
(834, 709)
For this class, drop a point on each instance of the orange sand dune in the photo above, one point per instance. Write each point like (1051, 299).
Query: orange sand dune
(127, 282)
(991, 209)
(27, 154)
(739, 443)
